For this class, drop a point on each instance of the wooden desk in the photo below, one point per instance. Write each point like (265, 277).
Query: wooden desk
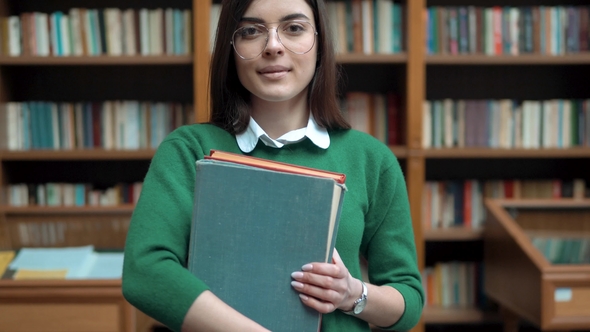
(555, 297)
(65, 306)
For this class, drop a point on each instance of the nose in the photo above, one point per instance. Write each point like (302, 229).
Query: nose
(273, 45)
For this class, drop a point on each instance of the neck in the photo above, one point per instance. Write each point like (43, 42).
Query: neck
(279, 118)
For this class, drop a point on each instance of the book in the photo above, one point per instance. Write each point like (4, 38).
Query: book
(255, 222)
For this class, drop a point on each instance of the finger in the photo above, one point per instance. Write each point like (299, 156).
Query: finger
(325, 269)
(321, 306)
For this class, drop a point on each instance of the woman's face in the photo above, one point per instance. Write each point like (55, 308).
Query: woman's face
(277, 74)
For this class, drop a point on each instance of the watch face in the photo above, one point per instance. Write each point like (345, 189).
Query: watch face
(360, 306)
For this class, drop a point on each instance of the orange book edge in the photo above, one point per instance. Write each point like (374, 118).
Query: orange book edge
(274, 165)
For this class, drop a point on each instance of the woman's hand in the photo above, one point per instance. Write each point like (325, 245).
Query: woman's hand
(327, 286)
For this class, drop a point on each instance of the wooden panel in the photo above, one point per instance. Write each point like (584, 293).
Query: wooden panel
(201, 12)
(577, 305)
(561, 220)
(57, 317)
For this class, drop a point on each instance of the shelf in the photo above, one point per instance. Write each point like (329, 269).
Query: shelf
(90, 154)
(37, 210)
(441, 315)
(95, 60)
(502, 60)
(360, 58)
(577, 152)
(453, 234)
(399, 151)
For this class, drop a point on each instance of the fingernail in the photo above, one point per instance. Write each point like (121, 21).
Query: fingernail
(297, 275)
(296, 284)
(303, 297)
(307, 267)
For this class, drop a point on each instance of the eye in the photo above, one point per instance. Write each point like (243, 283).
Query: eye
(295, 28)
(251, 32)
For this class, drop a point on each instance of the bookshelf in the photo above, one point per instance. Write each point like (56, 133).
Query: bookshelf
(412, 73)
(161, 77)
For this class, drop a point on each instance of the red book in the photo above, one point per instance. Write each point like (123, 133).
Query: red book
(274, 165)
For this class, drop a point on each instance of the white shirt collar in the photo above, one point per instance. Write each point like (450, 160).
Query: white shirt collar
(249, 138)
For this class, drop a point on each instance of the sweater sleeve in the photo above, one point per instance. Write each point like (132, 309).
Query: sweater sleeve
(390, 247)
(155, 278)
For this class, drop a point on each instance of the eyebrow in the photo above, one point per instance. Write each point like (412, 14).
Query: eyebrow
(282, 19)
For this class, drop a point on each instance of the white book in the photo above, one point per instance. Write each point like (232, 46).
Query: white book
(156, 28)
(546, 125)
(489, 34)
(77, 49)
(514, 30)
(426, 125)
(367, 21)
(144, 31)
(131, 126)
(14, 36)
(384, 22)
(129, 40)
(66, 45)
(12, 125)
(448, 122)
(518, 127)
(169, 31)
(42, 33)
(114, 31)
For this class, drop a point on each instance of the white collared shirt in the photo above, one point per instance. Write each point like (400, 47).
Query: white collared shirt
(249, 138)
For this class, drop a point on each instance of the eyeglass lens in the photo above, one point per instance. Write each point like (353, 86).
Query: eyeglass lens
(250, 40)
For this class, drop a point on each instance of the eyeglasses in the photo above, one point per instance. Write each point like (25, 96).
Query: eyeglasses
(249, 41)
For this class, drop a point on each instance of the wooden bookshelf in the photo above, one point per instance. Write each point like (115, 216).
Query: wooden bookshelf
(353, 58)
(521, 279)
(457, 315)
(77, 154)
(467, 153)
(453, 234)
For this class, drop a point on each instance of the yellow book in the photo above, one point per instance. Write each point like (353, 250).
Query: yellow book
(5, 258)
(24, 274)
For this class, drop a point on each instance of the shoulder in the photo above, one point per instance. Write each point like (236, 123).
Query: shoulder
(360, 145)
(199, 138)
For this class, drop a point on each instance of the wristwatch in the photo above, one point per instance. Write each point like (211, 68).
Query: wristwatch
(360, 303)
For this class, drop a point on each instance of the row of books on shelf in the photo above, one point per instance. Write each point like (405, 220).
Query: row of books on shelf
(72, 194)
(460, 203)
(506, 123)
(92, 32)
(506, 30)
(367, 26)
(378, 114)
(358, 26)
(562, 249)
(454, 284)
(60, 263)
(59, 230)
(127, 124)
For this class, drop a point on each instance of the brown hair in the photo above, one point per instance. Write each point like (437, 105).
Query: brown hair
(229, 99)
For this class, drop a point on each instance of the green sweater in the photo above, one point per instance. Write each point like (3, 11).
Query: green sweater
(375, 222)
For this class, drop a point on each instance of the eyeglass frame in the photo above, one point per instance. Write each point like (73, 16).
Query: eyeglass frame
(315, 34)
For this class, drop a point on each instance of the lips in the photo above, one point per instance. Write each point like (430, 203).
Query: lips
(273, 70)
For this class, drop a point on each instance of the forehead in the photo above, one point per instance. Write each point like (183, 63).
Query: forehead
(275, 10)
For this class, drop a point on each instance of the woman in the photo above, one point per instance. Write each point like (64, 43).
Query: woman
(273, 96)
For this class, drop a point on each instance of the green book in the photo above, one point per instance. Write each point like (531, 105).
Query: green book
(252, 227)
